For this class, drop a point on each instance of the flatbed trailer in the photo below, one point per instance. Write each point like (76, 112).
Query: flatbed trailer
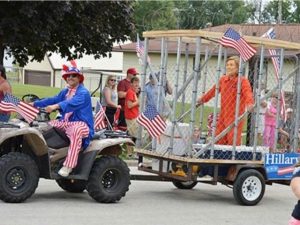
(247, 178)
(174, 158)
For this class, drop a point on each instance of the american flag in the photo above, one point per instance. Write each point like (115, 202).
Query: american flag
(152, 121)
(116, 118)
(140, 51)
(210, 123)
(11, 103)
(231, 38)
(99, 117)
(274, 53)
(285, 170)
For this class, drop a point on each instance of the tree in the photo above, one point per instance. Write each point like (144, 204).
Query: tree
(270, 12)
(218, 12)
(154, 15)
(69, 27)
(296, 12)
(189, 14)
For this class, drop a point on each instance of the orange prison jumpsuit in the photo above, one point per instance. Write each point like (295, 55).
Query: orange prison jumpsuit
(228, 89)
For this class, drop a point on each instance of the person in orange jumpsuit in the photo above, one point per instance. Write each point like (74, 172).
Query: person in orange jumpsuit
(228, 85)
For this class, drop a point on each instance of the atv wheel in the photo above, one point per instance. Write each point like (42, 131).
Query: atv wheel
(19, 177)
(249, 187)
(73, 186)
(184, 185)
(109, 179)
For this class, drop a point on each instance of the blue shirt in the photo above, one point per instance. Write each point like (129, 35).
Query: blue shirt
(151, 94)
(152, 91)
(80, 105)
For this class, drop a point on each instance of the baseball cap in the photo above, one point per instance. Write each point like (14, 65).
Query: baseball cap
(289, 110)
(132, 71)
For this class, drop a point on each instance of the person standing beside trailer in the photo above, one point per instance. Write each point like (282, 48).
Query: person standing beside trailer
(228, 85)
(4, 88)
(152, 91)
(270, 124)
(122, 89)
(285, 130)
(131, 109)
(109, 98)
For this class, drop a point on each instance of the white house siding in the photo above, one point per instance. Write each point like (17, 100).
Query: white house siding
(86, 63)
(288, 67)
(59, 81)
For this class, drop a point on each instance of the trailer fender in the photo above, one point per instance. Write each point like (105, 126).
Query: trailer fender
(234, 170)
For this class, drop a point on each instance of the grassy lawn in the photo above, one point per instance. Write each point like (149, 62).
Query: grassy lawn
(187, 106)
(41, 91)
(20, 90)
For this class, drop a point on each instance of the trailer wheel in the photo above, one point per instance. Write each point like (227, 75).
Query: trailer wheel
(19, 177)
(109, 179)
(249, 187)
(184, 185)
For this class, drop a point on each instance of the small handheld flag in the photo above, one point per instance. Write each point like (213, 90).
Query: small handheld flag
(274, 53)
(99, 117)
(231, 38)
(140, 51)
(11, 103)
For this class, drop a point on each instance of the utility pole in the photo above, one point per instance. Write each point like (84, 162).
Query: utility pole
(259, 11)
(279, 12)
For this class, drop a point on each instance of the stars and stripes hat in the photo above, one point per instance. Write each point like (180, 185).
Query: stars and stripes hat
(71, 68)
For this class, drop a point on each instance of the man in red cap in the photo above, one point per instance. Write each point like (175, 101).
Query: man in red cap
(75, 106)
(123, 86)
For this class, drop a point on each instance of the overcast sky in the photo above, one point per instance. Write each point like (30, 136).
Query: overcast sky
(7, 62)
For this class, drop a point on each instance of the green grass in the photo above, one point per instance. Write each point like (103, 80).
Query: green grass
(20, 90)
(41, 91)
(187, 106)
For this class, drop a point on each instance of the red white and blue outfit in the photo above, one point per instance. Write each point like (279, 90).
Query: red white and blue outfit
(76, 120)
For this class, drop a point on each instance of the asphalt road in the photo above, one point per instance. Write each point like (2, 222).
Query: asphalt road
(149, 203)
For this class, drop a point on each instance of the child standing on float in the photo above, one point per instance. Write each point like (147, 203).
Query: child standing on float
(270, 124)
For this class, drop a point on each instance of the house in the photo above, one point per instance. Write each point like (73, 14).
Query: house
(286, 32)
(48, 71)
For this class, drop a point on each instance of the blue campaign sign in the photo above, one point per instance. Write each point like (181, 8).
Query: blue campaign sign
(280, 166)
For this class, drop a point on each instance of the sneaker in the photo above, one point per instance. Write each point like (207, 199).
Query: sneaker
(65, 171)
